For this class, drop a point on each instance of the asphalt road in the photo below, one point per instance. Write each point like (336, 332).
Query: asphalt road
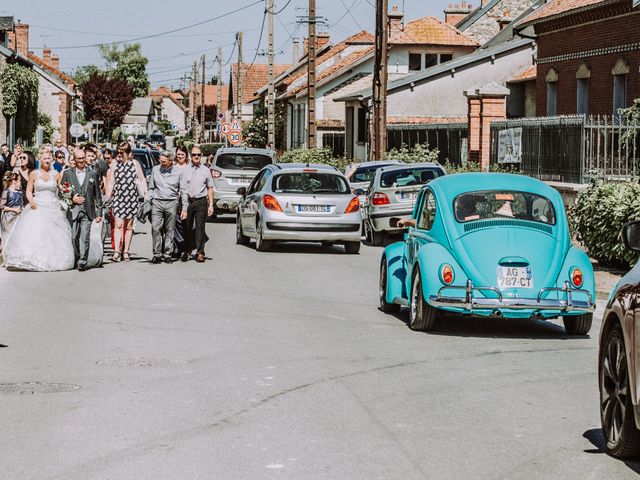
(279, 365)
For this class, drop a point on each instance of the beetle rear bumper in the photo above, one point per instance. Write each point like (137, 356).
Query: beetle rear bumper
(471, 303)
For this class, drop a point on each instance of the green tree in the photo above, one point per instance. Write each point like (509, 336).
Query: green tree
(128, 64)
(255, 132)
(82, 74)
(44, 121)
(19, 86)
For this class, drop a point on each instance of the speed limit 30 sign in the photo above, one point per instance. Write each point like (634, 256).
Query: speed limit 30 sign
(235, 137)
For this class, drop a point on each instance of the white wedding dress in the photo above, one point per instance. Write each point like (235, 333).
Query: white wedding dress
(41, 238)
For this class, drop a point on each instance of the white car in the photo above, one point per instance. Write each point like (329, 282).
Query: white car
(301, 203)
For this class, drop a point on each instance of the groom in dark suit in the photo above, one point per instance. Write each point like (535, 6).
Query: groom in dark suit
(87, 205)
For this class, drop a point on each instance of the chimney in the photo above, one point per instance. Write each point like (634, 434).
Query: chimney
(22, 38)
(396, 18)
(322, 39)
(55, 62)
(11, 40)
(46, 56)
(456, 13)
(296, 49)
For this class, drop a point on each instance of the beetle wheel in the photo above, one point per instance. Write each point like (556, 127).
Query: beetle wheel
(382, 290)
(422, 316)
(616, 411)
(577, 324)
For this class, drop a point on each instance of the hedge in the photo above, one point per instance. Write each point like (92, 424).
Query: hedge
(597, 218)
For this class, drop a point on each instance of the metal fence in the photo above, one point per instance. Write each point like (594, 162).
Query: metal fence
(447, 138)
(612, 148)
(574, 149)
(551, 148)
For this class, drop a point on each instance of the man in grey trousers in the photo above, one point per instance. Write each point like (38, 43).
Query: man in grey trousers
(166, 186)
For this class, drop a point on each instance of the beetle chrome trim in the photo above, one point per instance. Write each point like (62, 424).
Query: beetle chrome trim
(470, 303)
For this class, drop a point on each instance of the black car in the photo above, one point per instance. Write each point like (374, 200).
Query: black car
(146, 159)
(157, 140)
(619, 360)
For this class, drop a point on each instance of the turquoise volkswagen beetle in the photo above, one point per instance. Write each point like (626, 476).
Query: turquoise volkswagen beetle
(488, 245)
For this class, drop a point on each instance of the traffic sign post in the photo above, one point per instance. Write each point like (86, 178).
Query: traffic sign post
(225, 128)
(235, 137)
(76, 130)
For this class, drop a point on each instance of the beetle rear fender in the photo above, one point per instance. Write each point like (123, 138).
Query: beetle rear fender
(430, 258)
(396, 271)
(577, 258)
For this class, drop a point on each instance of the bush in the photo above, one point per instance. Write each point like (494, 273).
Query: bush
(597, 217)
(210, 148)
(471, 167)
(314, 155)
(419, 153)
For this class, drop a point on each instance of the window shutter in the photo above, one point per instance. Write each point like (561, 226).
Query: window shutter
(582, 96)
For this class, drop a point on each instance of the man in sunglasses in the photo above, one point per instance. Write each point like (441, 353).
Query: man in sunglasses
(58, 164)
(199, 188)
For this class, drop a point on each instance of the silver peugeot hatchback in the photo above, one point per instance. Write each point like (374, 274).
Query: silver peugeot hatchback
(392, 193)
(233, 168)
(300, 203)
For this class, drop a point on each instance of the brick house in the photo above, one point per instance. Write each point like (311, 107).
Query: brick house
(588, 56)
(253, 78)
(56, 90)
(170, 107)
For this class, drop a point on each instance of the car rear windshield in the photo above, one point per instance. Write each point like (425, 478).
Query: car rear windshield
(310, 182)
(242, 161)
(409, 176)
(142, 158)
(157, 137)
(366, 174)
(504, 204)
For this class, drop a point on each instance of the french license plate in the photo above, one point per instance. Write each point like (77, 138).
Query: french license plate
(313, 208)
(408, 195)
(241, 180)
(515, 277)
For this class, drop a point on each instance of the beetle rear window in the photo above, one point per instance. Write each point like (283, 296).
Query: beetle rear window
(504, 204)
(310, 182)
(406, 177)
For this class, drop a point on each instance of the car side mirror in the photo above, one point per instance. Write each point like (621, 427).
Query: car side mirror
(242, 191)
(631, 236)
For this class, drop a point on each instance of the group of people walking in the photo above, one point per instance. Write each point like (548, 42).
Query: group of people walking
(58, 218)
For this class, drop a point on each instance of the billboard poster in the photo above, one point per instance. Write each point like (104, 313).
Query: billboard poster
(510, 145)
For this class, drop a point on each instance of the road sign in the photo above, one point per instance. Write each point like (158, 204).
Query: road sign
(97, 122)
(76, 130)
(225, 128)
(235, 137)
(220, 115)
(235, 125)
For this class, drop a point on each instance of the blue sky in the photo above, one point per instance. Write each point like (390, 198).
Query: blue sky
(66, 23)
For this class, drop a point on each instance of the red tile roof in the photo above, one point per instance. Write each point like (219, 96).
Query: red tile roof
(330, 123)
(558, 7)
(254, 77)
(160, 92)
(211, 95)
(529, 73)
(429, 31)
(58, 73)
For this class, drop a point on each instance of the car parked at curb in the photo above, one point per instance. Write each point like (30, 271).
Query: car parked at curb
(235, 167)
(300, 203)
(488, 245)
(392, 193)
(361, 174)
(146, 159)
(619, 360)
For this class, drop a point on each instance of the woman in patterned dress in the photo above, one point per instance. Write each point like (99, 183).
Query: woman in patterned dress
(125, 185)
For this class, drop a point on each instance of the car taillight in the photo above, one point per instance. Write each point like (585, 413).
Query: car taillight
(446, 274)
(216, 173)
(380, 199)
(354, 205)
(270, 203)
(576, 278)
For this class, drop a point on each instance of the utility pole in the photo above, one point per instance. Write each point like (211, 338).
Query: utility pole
(271, 108)
(202, 102)
(380, 77)
(311, 77)
(219, 84)
(192, 100)
(240, 79)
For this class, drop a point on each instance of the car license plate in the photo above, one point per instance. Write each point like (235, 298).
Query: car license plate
(313, 208)
(408, 195)
(515, 277)
(241, 180)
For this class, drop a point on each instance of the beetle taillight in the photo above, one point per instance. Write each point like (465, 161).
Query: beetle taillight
(354, 205)
(446, 274)
(576, 278)
(270, 203)
(380, 199)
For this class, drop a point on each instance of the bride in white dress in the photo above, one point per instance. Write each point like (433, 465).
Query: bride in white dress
(41, 238)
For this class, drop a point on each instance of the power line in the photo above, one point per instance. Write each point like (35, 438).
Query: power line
(282, 9)
(144, 37)
(264, 18)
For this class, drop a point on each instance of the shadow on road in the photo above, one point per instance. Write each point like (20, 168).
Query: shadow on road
(596, 437)
(302, 248)
(480, 327)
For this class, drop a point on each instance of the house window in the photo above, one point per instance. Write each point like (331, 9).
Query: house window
(619, 93)
(552, 93)
(582, 89)
(430, 59)
(362, 125)
(445, 57)
(415, 61)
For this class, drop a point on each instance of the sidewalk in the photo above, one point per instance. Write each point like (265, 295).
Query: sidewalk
(606, 280)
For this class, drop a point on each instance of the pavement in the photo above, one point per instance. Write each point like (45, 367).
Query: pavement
(279, 365)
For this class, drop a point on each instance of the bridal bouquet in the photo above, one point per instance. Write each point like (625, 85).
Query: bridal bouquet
(67, 192)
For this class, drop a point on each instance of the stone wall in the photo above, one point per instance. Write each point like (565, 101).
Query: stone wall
(488, 25)
(49, 100)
